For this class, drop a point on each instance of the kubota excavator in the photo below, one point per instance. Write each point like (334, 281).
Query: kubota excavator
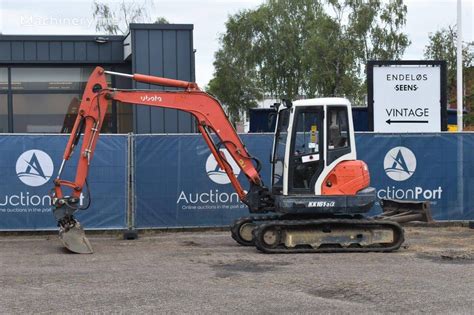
(319, 190)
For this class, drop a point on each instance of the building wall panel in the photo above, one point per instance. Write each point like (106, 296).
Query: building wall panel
(18, 52)
(105, 52)
(170, 70)
(42, 49)
(68, 51)
(5, 51)
(141, 52)
(157, 115)
(185, 69)
(30, 51)
(59, 49)
(92, 51)
(162, 50)
(116, 50)
(80, 51)
(55, 51)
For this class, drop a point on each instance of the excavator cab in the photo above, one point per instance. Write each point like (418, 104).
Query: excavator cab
(314, 163)
(320, 191)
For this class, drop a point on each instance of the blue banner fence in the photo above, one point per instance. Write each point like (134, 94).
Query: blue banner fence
(28, 165)
(171, 181)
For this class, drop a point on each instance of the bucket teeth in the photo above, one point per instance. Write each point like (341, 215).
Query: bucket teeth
(74, 239)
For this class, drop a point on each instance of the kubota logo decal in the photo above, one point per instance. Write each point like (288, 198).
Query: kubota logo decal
(399, 163)
(218, 175)
(148, 98)
(34, 168)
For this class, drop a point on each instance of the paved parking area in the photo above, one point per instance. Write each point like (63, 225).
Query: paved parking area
(207, 272)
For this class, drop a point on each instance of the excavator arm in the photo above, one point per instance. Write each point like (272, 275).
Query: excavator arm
(210, 118)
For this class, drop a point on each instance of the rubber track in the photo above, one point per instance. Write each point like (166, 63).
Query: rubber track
(235, 228)
(259, 230)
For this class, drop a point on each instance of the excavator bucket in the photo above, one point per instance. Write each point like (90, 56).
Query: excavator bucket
(75, 240)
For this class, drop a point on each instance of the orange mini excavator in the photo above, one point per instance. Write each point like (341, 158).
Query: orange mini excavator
(319, 190)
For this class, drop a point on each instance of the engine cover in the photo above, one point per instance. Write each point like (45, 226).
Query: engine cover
(347, 178)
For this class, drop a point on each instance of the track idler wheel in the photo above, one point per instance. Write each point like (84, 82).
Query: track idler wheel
(241, 231)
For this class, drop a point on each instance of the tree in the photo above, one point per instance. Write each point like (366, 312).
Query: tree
(116, 19)
(161, 20)
(236, 86)
(305, 48)
(443, 46)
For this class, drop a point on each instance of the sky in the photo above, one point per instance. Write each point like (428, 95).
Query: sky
(74, 17)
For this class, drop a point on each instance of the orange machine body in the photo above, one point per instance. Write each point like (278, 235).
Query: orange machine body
(205, 108)
(347, 178)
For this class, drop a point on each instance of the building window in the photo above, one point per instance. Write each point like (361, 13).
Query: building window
(46, 100)
(3, 113)
(44, 112)
(50, 79)
(3, 80)
(3, 100)
(124, 117)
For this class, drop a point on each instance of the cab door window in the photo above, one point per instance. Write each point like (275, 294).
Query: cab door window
(306, 158)
(338, 133)
(278, 158)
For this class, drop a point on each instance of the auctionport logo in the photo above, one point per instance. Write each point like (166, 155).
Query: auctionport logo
(34, 168)
(218, 175)
(399, 163)
(213, 199)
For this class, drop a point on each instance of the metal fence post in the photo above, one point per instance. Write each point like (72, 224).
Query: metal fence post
(460, 169)
(131, 232)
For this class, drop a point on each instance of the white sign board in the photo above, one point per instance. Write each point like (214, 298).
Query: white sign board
(407, 98)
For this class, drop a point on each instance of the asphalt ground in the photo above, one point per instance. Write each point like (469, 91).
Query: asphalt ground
(207, 272)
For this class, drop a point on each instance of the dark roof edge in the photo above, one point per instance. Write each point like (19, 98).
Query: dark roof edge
(60, 63)
(149, 26)
(62, 38)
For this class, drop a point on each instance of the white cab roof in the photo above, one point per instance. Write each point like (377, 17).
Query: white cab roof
(323, 101)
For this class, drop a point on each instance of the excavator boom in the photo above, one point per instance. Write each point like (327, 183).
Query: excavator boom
(207, 111)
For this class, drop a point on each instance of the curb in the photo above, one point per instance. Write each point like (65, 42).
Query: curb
(440, 224)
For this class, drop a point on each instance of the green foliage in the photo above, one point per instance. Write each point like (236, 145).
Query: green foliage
(305, 48)
(443, 46)
(469, 119)
(161, 20)
(115, 19)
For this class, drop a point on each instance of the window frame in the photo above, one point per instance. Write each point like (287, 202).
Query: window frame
(335, 153)
(319, 110)
(275, 158)
(10, 92)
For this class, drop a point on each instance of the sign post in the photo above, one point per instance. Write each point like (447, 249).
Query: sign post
(407, 96)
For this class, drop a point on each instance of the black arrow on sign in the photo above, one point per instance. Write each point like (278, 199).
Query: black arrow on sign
(389, 121)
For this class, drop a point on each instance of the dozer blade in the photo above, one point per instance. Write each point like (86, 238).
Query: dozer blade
(75, 240)
(403, 211)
